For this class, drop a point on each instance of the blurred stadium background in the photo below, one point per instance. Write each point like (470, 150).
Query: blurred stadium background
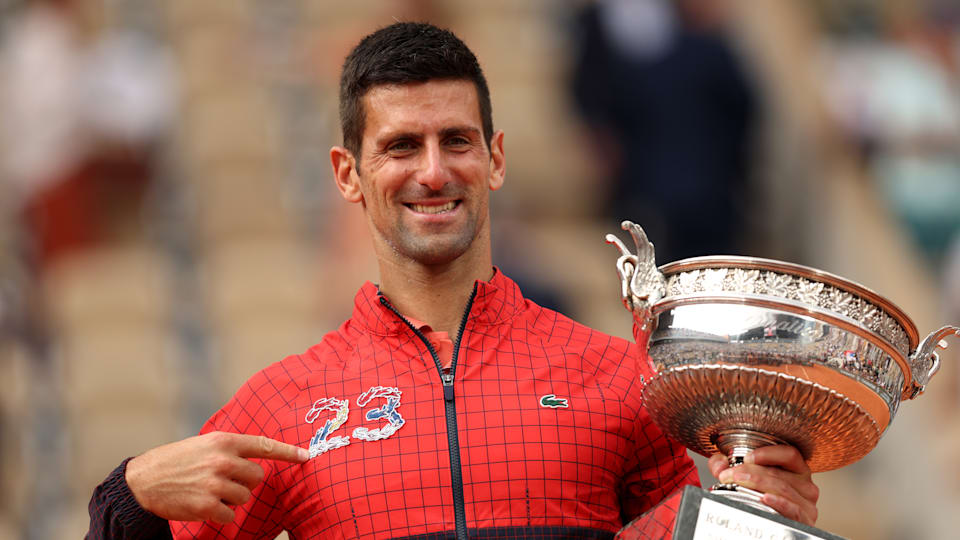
(168, 223)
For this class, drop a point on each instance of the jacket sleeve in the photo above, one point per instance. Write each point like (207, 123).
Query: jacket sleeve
(661, 466)
(656, 524)
(115, 513)
(662, 469)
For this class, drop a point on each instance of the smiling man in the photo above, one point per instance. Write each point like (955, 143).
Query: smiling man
(423, 171)
(447, 405)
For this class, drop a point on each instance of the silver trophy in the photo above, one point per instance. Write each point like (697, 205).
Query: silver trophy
(752, 352)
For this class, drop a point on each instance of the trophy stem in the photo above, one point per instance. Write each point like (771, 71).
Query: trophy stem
(736, 444)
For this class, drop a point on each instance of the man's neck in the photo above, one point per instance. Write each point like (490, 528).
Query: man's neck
(436, 296)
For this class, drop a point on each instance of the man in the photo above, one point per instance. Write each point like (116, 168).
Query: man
(448, 403)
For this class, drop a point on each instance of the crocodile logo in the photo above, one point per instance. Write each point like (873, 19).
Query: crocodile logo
(552, 401)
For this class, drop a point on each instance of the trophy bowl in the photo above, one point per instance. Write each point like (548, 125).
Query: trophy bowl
(750, 352)
(747, 348)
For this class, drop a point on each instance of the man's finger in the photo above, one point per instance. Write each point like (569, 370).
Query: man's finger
(232, 493)
(766, 479)
(790, 509)
(717, 463)
(258, 446)
(247, 473)
(782, 456)
(773, 480)
(210, 508)
(781, 496)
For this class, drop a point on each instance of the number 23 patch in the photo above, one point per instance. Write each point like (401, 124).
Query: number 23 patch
(322, 441)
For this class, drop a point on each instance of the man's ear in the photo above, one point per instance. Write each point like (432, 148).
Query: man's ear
(498, 164)
(344, 174)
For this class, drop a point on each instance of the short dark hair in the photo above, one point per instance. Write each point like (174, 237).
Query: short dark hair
(406, 52)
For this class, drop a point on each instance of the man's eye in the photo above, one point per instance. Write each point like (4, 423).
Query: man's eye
(458, 141)
(401, 146)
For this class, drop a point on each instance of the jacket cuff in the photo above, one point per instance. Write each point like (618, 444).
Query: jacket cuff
(127, 511)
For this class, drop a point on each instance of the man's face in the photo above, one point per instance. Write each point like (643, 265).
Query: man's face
(425, 171)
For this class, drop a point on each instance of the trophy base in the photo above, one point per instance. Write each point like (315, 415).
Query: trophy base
(708, 516)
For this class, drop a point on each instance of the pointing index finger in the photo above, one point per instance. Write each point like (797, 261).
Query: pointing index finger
(258, 446)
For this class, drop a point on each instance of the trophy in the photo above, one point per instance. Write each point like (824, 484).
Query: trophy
(750, 352)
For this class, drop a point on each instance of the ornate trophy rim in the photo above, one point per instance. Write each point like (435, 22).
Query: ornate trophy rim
(877, 319)
(794, 269)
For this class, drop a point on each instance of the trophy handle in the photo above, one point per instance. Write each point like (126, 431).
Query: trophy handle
(642, 284)
(926, 353)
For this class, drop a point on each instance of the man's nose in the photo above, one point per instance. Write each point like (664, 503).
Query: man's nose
(433, 172)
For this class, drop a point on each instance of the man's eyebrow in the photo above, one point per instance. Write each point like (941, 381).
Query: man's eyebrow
(460, 130)
(416, 136)
(397, 135)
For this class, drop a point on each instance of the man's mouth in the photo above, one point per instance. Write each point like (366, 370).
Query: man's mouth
(433, 208)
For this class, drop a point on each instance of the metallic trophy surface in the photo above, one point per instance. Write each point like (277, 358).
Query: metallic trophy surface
(751, 352)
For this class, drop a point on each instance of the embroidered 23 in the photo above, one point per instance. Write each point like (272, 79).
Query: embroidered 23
(322, 442)
(387, 412)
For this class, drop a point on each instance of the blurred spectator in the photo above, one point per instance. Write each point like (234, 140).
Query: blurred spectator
(671, 112)
(894, 85)
(78, 130)
(39, 135)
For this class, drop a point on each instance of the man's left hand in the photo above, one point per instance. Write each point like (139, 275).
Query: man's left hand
(781, 474)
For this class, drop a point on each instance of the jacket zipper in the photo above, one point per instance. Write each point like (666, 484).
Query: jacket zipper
(450, 409)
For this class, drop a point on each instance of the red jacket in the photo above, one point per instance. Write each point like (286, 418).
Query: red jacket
(543, 415)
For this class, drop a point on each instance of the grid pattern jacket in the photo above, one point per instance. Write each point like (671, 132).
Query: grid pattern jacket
(536, 431)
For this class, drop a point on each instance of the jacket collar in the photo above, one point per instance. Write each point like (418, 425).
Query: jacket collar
(497, 301)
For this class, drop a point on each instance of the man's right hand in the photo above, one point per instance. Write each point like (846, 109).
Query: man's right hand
(201, 478)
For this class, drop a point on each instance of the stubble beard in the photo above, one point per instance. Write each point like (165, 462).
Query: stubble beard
(433, 245)
(432, 248)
